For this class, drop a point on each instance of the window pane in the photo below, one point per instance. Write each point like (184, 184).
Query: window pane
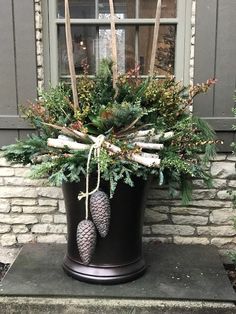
(165, 56)
(84, 49)
(148, 8)
(125, 46)
(80, 9)
(123, 9)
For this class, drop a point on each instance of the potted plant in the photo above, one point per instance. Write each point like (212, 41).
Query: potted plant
(102, 138)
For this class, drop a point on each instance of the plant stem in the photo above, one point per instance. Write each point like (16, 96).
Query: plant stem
(69, 47)
(155, 37)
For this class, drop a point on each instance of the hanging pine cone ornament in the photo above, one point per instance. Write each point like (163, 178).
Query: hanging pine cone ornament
(101, 212)
(86, 240)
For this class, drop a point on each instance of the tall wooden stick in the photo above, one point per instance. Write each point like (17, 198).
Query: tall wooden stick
(69, 47)
(155, 37)
(113, 46)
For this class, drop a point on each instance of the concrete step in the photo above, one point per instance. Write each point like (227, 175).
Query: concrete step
(39, 305)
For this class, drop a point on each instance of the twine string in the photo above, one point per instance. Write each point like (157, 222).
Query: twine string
(96, 147)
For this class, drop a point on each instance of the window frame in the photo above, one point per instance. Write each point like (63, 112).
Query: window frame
(183, 37)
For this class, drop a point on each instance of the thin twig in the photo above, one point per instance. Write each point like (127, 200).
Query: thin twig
(69, 47)
(155, 37)
(113, 47)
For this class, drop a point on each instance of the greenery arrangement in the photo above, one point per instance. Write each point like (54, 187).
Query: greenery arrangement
(143, 116)
(135, 127)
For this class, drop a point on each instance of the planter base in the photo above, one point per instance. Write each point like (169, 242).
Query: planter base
(104, 275)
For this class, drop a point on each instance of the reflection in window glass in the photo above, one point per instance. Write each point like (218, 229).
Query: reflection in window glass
(125, 37)
(84, 49)
(165, 56)
(123, 9)
(79, 9)
(148, 8)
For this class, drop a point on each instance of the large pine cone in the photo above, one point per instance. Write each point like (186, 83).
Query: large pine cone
(101, 212)
(86, 240)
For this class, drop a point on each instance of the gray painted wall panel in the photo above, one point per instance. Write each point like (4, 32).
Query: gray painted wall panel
(215, 56)
(225, 58)
(7, 61)
(204, 52)
(25, 50)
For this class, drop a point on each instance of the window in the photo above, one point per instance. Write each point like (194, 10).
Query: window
(134, 29)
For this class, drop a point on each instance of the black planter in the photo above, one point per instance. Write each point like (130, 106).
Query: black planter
(118, 257)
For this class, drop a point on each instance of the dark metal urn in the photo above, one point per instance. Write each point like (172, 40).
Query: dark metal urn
(118, 257)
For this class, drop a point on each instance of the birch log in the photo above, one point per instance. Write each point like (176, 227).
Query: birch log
(148, 161)
(155, 37)
(69, 47)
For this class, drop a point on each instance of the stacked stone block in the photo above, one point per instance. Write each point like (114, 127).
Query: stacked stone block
(208, 219)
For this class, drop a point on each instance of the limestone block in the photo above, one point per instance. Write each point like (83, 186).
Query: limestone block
(62, 208)
(51, 238)
(8, 239)
(24, 201)
(22, 181)
(5, 228)
(38, 209)
(146, 230)
(172, 229)
(4, 206)
(154, 216)
(224, 195)
(60, 219)
(189, 220)
(190, 211)
(204, 194)
(20, 229)
(216, 231)
(46, 218)
(49, 228)
(157, 240)
(231, 157)
(6, 172)
(22, 172)
(16, 192)
(211, 204)
(47, 202)
(232, 184)
(16, 209)
(222, 243)
(219, 157)
(51, 192)
(1, 181)
(25, 238)
(190, 240)
(4, 162)
(18, 219)
(224, 170)
(159, 209)
(223, 216)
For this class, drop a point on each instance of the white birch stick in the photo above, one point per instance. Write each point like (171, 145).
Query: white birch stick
(153, 146)
(155, 37)
(153, 138)
(146, 161)
(58, 143)
(69, 47)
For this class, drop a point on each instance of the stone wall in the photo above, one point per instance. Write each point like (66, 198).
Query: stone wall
(31, 211)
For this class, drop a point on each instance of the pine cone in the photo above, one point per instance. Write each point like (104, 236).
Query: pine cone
(101, 212)
(86, 240)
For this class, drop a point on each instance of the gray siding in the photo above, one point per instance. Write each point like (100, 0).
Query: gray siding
(17, 66)
(215, 57)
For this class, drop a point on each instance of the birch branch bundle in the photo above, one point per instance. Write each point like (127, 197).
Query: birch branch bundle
(155, 37)
(69, 47)
(113, 47)
(146, 159)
